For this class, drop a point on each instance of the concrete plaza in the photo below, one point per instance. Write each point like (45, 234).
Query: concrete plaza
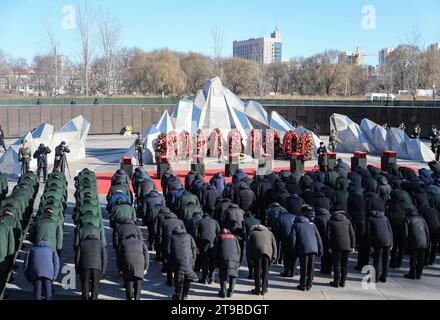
(103, 156)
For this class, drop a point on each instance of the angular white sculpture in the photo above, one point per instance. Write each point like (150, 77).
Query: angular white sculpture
(350, 135)
(374, 139)
(74, 133)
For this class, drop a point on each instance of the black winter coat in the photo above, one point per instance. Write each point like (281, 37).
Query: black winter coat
(416, 232)
(379, 231)
(220, 208)
(247, 200)
(294, 204)
(145, 187)
(396, 216)
(340, 233)
(41, 156)
(125, 230)
(321, 220)
(233, 220)
(91, 255)
(207, 231)
(320, 201)
(210, 199)
(278, 194)
(183, 253)
(133, 258)
(432, 218)
(189, 179)
(170, 222)
(356, 208)
(227, 254)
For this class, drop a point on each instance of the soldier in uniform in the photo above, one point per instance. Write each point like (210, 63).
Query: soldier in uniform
(437, 146)
(417, 132)
(402, 126)
(60, 157)
(322, 157)
(332, 141)
(2, 138)
(433, 137)
(316, 128)
(25, 155)
(140, 148)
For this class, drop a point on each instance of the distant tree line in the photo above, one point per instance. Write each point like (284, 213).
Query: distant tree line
(104, 67)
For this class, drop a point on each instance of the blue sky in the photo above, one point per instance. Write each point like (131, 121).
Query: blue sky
(308, 27)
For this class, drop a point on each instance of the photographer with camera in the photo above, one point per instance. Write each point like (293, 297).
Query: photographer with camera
(60, 157)
(41, 156)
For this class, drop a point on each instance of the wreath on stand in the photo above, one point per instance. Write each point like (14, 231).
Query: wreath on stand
(185, 140)
(235, 140)
(256, 143)
(290, 144)
(216, 144)
(160, 148)
(308, 146)
(174, 146)
(200, 145)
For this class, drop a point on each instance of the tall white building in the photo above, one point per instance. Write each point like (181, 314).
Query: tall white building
(261, 50)
(383, 56)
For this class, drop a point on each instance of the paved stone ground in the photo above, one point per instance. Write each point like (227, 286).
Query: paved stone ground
(103, 155)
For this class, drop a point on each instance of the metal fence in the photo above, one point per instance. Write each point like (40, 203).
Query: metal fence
(110, 119)
(266, 102)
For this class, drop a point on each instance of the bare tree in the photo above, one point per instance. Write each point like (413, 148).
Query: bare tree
(54, 54)
(413, 62)
(217, 46)
(85, 25)
(260, 80)
(110, 42)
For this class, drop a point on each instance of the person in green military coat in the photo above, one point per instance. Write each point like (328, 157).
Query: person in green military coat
(25, 156)
(48, 229)
(7, 250)
(140, 148)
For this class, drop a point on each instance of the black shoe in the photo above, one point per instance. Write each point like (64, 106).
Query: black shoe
(177, 297)
(285, 275)
(263, 293)
(221, 294)
(418, 277)
(334, 284)
(253, 291)
(209, 280)
(393, 266)
(301, 288)
(407, 276)
(342, 284)
(308, 288)
(150, 248)
(163, 270)
(230, 293)
(169, 283)
(202, 281)
(383, 279)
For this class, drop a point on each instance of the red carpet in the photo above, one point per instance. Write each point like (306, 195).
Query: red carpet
(104, 179)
